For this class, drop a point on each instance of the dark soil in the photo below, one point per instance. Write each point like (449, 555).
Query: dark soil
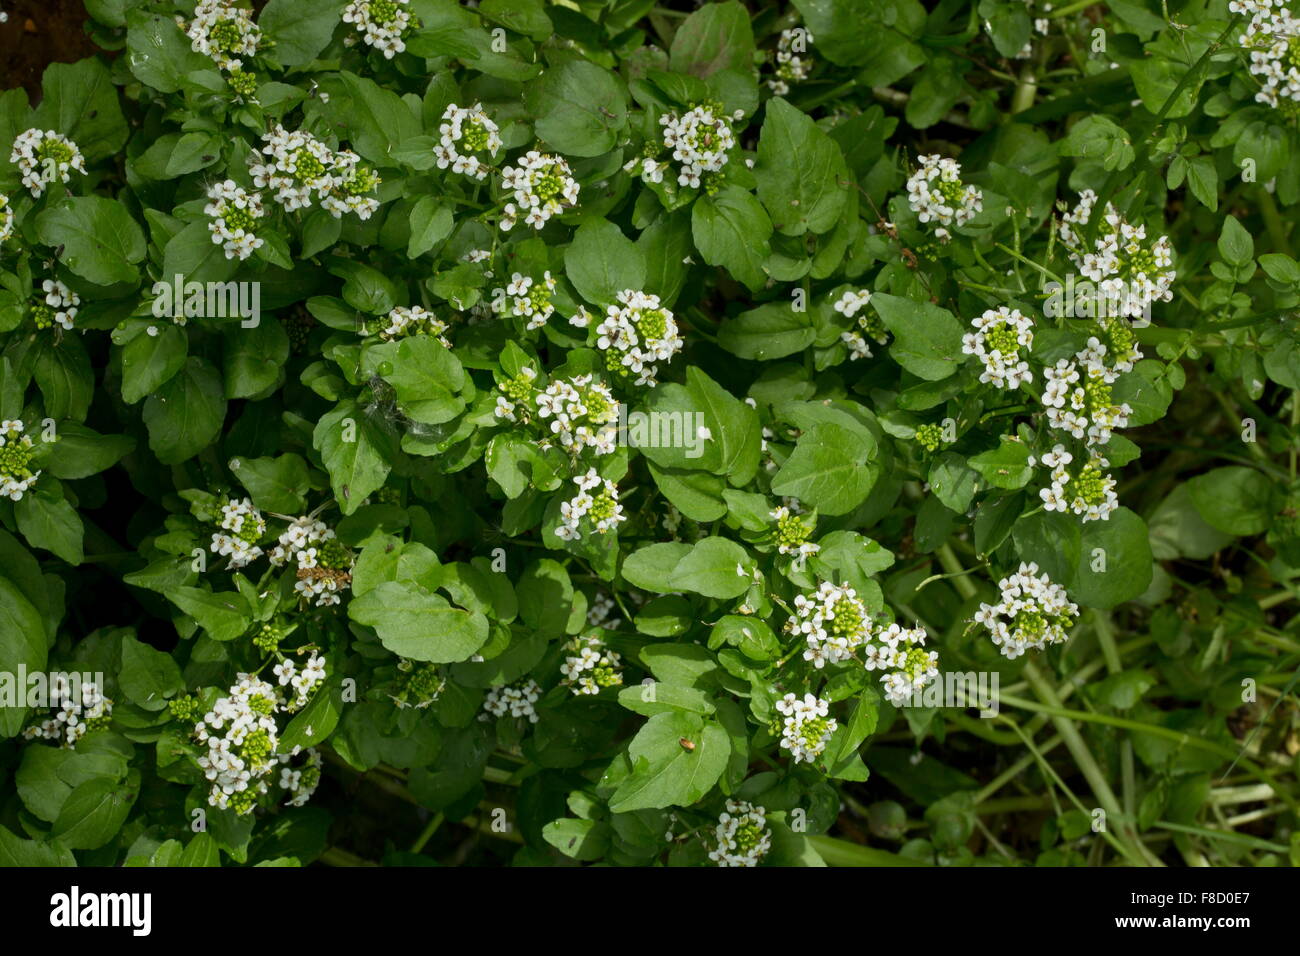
(38, 33)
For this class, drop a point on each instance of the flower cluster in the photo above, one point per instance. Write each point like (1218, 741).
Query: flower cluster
(902, 651)
(602, 509)
(303, 682)
(936, 194)
(700, 140)
(1273, 40)
(16, 475)
(849, 305)
(1130, 271)
(999, 336)
(528, 298)
(43, 157)
(742, 835)
(590, 665)
(81, 709)
(6, 218)
(234, 213)
(1032, 613)
(324, 565)
(1077, 396)
(517, 701)
(302, 170)
(465, 136)
(381, 24)
(240, 531)
(600, 613)
(581, 411)
(59, 307)
(243, 742)
(835, 625)
(792, 532)
(791, 65)
(300, 782)
(418, 684)
(224, 32)
(930, 436)
(542, 186)
(805, 727)
(637, 335)
(413, 320)
(1087, 491)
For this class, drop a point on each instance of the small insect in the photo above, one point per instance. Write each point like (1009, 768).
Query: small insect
(686, 743)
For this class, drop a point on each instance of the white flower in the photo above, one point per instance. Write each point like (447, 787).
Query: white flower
(542, 186)
(1270, 38)
(999, 336)
(791, 66)
(44, 157)
(699, 141)
(1032, 613)
(806, 727)
(415, 320)
(517, 701)
(936, 194)
(75, 713)
(381, 24)
(235, 214)
(302, 170)
(602, 511)
(465, 135)
(742, 835)
(637, 335)
(224, 32)
(590, 665)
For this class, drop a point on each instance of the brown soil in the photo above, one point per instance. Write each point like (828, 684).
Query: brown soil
(38, 33)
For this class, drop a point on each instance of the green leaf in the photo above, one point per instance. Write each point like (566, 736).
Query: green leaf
(49, 521)
(1236, 500)
(601, 262)
(1006, 466)
(1235, 244)
(22, 643)
(80, 101)
(715, 567)
(732, 229)
(225, 615)
(148, 676)
(664, 772)
(185, 415)
(431, 222)
(356, 451)
(580, 107)
(927, 339)
(771, 331)
(802, 179)
(160, 54)
(95, 811)
(301, 30)
(427, 378)
(79, 452)
(832, 469)
(149, 360)
(277, 484)
(415, 623)
(718, 36)
(100, 240)
(17, 852)
(1115, 563)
